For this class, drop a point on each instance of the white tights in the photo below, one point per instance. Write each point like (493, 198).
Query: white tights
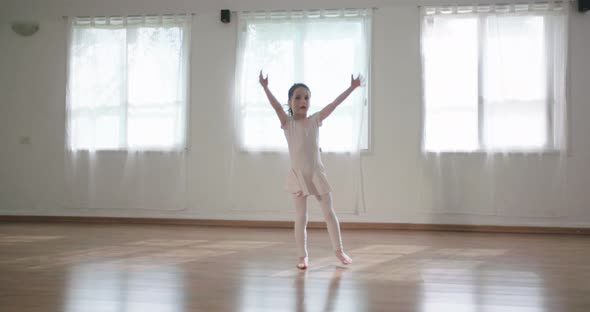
(301, 222)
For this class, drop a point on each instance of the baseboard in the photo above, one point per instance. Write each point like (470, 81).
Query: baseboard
(289, 224)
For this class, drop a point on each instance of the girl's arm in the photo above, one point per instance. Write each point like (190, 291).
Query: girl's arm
(354, 83)
(273, 101)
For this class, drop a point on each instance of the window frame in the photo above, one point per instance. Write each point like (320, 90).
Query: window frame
(550, 132)
(121, 112)
(276, 17)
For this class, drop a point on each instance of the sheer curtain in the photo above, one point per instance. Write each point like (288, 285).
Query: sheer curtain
(494, 77)
(494, 113)
(127, 112)
(320, 48)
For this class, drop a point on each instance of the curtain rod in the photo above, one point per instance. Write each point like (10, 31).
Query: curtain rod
(456, 3)
(503, 2)
(133, 15)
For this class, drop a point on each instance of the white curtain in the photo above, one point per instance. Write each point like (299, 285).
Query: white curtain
(127, 103)
(320, 48)
(494, 132)
(494, 77)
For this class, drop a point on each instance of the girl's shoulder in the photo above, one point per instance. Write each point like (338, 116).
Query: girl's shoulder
(312, 120)
(288, 122)
(315, 119)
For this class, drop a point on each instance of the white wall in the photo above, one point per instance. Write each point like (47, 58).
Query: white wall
(400, 185)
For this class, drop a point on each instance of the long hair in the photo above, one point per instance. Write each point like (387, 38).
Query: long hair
(292, 90)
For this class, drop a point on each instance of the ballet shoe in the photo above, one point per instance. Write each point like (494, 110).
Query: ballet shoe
(302, 265)
(344, 258)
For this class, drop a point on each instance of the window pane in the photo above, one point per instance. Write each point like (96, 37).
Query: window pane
(269, 47)
(514, 62)
(336, 132)
(98, 132)
(127, 83)
(257, 135)
(97, 67)
(331, 55)
(450, 51)
(451, 130)
(107, 132)
(330, 51)
(320, 53)
(80, 132)
(494, 77)
(515, 125)
(152, 127)
(515, 88)
(154, 61)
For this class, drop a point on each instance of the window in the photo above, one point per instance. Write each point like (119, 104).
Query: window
(494, 77)
(127, 83)
(321, 48)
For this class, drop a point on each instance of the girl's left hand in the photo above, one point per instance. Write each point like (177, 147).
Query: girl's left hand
(263, 81)
(355, 82)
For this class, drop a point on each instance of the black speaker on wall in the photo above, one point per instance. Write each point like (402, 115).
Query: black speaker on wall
(225, 14)
(583, 5)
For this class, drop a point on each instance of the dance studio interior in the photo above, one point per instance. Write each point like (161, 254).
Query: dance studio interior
(325, 155)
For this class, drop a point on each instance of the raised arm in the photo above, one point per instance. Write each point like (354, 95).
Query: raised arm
(354, 83)
(271, 98)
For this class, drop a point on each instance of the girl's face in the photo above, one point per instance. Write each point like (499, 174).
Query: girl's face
(299, 102)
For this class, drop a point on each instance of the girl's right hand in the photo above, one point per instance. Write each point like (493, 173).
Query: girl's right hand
(263, 81)
(355, 82)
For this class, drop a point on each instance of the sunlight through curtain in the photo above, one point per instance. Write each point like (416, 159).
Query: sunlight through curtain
(320, 48)
(127, 112)
(494, 112)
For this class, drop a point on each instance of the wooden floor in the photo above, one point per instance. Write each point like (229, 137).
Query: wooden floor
(171, 268)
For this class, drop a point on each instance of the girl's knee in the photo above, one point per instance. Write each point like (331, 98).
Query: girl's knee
(323, 197)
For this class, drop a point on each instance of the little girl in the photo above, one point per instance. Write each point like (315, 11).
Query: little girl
(307, 176)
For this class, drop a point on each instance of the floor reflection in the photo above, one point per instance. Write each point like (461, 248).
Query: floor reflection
(16, 239)
(144, 253)
(325, 288)
(106, 287)
(465, 287)
(332, 299)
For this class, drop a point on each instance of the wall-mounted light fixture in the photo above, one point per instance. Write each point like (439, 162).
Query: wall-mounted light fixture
(25, 29)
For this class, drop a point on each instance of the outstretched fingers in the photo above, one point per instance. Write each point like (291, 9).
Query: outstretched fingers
(263, 81)
(359, 81)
